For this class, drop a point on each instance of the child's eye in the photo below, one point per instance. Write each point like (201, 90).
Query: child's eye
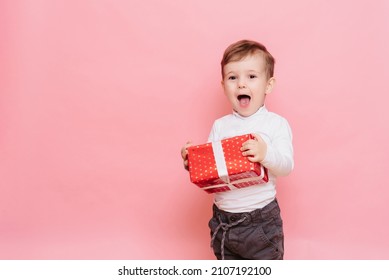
(253, 76)
(231, 77)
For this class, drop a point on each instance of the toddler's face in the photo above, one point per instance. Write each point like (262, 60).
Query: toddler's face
(245, 84)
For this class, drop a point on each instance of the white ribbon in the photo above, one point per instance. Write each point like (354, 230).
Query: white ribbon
(244, 180)
(220, 161)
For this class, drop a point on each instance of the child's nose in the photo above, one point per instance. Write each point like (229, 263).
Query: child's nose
(241, 83)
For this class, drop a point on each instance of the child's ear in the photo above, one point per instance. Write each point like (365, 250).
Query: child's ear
(270, 85)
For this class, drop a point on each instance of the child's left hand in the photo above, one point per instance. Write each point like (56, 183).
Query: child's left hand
(254, 149)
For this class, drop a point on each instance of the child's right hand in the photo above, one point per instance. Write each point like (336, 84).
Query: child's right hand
(184, 154)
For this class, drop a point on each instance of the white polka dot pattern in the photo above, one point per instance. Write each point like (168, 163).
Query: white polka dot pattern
(242, 173)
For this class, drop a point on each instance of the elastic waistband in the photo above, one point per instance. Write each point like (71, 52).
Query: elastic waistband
(255, 216)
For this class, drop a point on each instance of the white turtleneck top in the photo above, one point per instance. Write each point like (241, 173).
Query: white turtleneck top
(276, 132)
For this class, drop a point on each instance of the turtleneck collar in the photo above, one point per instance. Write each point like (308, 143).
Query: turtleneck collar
(260, 111)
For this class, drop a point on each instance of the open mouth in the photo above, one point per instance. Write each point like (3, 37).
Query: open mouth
(244, 100)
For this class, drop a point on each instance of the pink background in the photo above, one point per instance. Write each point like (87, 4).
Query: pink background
(97, 98)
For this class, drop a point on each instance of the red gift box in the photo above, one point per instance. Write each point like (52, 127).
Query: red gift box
(220, 166)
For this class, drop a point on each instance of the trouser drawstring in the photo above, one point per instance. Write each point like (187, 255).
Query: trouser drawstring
(225, 227)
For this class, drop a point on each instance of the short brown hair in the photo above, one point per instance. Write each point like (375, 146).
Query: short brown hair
(243, 48)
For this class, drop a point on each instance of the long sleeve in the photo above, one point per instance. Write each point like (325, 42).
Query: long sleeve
(279, 156)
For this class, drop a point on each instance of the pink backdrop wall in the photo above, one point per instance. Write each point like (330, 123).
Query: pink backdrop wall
(97, 98)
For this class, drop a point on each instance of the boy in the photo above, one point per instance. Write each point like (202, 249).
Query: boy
(246, 223)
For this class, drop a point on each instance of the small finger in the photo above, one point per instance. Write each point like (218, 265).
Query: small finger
(252, 159)
(186, 165)
(248, 153)
(184, 151)
(247, 145)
